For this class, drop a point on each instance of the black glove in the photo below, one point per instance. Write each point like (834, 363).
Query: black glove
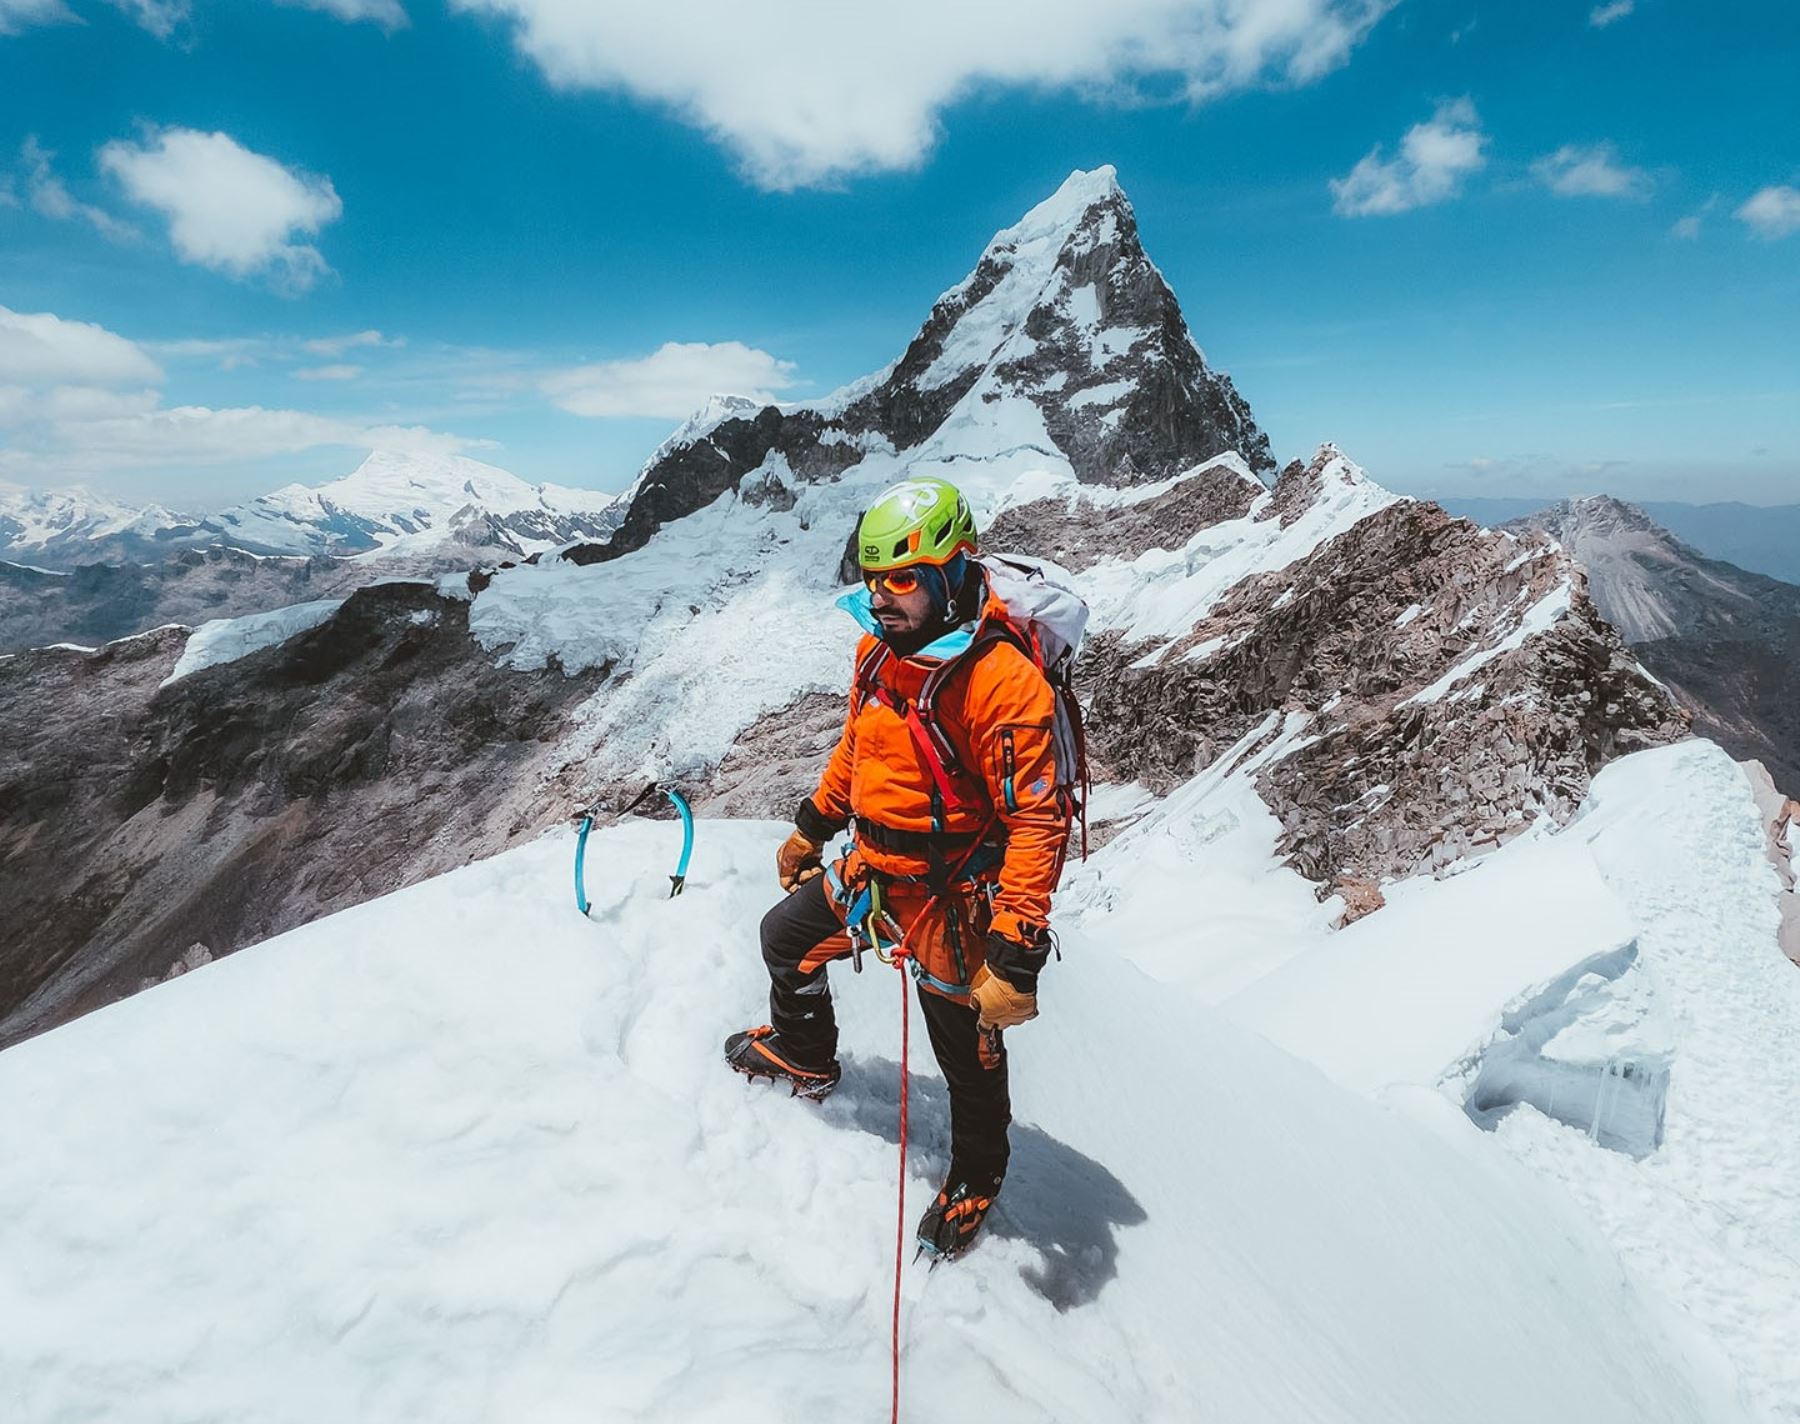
(1018, 964)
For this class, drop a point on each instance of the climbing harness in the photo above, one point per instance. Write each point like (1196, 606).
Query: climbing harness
(677, 881)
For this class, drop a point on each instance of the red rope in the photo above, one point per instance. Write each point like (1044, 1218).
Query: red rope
(900, 1218)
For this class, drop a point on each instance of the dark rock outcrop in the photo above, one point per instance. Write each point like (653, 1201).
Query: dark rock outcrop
(138, 821)
(101, 603)
(1078, 537)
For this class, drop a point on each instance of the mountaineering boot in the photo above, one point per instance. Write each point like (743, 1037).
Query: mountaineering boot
(757, 1053)
(949, 1225)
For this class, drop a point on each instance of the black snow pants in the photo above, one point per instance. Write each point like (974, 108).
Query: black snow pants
(800, 936)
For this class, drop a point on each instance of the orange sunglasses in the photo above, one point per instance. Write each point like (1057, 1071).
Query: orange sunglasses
(900, 581)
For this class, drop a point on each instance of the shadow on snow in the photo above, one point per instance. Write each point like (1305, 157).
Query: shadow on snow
(1062, 1203)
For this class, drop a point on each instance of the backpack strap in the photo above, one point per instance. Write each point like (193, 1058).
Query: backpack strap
(866, 681)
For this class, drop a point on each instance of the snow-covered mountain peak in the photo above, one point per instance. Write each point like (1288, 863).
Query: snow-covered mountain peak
(1068, 205)
(35, 522)
(1086, 211)
(396, 482)
(404, 502)
(1064, 341)
(718, 407)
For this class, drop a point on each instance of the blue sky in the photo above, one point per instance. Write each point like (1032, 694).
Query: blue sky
(1488, 248)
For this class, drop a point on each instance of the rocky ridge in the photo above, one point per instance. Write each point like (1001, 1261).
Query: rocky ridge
(1725, 640)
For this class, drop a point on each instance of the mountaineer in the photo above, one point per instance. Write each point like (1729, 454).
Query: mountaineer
(957, 772)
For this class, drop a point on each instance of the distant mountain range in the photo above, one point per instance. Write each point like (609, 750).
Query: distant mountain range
(397, 504)
(1763, 539)
(83, 569)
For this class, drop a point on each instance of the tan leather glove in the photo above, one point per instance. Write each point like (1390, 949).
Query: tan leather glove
(797, 861)
(997, 1004)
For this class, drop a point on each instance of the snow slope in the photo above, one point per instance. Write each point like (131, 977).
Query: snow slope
(461, 1155)
(1610, 997)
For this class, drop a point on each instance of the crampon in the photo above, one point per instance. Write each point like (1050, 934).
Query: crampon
(757, 1053)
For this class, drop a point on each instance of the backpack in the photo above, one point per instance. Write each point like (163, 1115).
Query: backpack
(1045, 619)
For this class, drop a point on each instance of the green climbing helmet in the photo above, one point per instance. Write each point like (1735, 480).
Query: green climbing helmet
(923, 520)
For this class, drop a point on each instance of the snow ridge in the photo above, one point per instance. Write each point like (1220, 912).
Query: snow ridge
(380, 1167)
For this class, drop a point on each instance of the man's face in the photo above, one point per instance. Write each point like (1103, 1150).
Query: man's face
(900, 612)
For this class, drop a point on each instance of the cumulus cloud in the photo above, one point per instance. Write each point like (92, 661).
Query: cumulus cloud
(1434, 159)
(1772, 212)
(16, 15)
(804, 93)
(328, 373)
(228, 208)
(1590, 171)
(1603, 15)
(38, 349)
(51, 197)
(672, 382)
(386, 13)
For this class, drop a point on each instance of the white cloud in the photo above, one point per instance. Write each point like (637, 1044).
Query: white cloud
(328, 373)
(338, 345)
(1590, 171)
(1434, 158)
(386, 13)
(1603, 15)
(16, 15)
(160, 17)
(203, 435)
(1772, 212)
(228, 208)
(672, 382)
(804, 93)
(1688, 228)
(77, 399)
(231, 352)
(51, 197)
(42, 350)
(78, 433)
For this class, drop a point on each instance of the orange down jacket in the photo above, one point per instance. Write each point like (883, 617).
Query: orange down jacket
(997, 712)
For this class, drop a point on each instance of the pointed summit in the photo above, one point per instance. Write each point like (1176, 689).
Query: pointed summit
(1066, 208)
(1064, 338)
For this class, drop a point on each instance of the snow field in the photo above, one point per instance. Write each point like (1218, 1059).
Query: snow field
(460, 1154)
(1620, 978)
